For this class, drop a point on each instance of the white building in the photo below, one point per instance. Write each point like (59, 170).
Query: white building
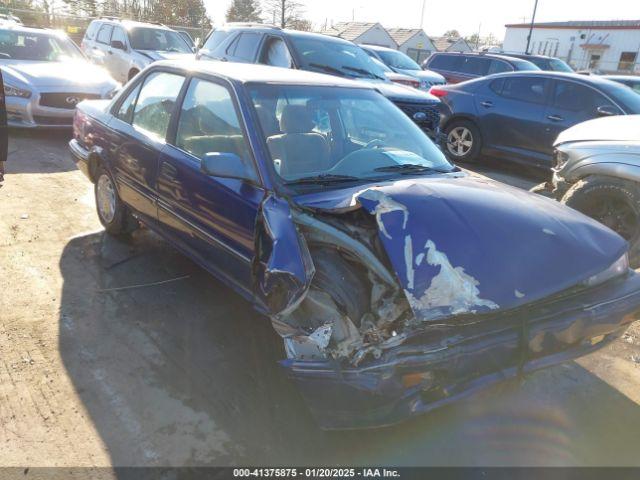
(362, 32)
(609, 46)
(414, 42)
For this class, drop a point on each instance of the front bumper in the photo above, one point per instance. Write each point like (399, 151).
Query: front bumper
(442, 364)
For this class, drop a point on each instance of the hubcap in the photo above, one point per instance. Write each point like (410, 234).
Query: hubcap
(106, 198)
(459, 141)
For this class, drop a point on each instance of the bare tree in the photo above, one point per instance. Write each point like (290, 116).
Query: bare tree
(285, 13)
(452, 34)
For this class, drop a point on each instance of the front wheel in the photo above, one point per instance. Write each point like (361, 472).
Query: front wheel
(112, 213)
(463, 141)
(614, 202)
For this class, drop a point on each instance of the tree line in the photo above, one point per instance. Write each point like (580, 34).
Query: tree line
(282, 13)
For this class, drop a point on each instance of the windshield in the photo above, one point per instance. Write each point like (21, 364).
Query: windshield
(158, 39)
(319, 136)
(42, 47)
(398, 60)
(557, 65)
(336, 58)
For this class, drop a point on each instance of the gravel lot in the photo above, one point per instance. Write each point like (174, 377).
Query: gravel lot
(185, 373)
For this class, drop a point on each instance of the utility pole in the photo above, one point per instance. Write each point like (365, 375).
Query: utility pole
(424, 3)
(533, 18)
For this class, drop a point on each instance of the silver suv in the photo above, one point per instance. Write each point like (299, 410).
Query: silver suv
(125, 47)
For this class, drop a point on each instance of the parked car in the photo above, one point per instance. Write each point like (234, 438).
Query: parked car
(125, 47)
(595, 171)
(517, 116)
(543, 62)
(7, 18)
(401, 63)
(631, 81)
(459, 67)
(397, 77)
(264, 44)
(38, 87)
(398, 282)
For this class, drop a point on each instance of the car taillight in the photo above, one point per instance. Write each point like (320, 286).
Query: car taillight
(410, 83)
(438, 92)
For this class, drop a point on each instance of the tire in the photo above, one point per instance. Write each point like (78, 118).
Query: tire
(463, 141)
(339, 279)
(114, 215)
(613, 202)
(133, 73)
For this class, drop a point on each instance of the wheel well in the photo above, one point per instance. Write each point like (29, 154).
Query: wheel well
(460, 117)
(94, 163)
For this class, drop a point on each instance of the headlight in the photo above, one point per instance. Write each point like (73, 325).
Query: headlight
(559, 160)
(617, 268)
(12, 91)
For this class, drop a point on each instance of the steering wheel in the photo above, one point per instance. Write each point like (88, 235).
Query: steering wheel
(375, 143)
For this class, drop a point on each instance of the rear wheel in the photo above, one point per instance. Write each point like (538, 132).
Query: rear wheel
(613, 202)
(113, 214)
(463, 141)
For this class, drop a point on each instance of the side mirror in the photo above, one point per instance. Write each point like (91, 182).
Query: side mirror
(607, 111)
(225, 165)
(117, 44)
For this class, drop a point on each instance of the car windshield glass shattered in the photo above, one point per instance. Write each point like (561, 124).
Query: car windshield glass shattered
(336, 58)
(17, 45)
(326, 135)
(158, 39)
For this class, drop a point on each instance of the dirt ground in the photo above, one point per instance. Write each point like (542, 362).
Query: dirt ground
(184, 372)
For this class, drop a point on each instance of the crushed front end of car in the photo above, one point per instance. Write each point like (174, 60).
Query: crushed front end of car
(400, 297)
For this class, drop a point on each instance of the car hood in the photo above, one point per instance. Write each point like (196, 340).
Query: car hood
(425, 75)
(155, 55)
(616, 128)
(401, 93)
(463, 244)
(57, 74)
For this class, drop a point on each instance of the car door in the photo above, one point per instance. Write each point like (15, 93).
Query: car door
(212, 217)
(117, 59)
(243, 48)
(101, 44)
(511, 111)
(572, 103)
(139, 128)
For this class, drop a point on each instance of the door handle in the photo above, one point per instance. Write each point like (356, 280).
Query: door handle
(555, 118)
(487, 104)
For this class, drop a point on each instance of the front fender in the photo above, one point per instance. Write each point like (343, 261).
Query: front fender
(614, 165)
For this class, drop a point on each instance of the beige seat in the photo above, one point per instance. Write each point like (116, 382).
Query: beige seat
(298, 148)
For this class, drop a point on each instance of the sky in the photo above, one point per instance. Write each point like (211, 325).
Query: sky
(466, 16)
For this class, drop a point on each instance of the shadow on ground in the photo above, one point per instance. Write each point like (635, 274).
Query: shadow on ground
(39, 151)
(185, 373)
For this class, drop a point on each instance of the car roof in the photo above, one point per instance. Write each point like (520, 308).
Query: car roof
(525, 55)
(622, 77)
(588, 79)
(21, 28)
(131, 23)
(505, 57)
(250, 27)
(377, 48)
(252, 73)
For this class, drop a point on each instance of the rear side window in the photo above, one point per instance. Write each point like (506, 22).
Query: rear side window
(244, 46)
(156, 102)
(125, 112)
(496, 85)
(526, 89)
(104, 34)
(91, 31)
(498, 66)
(446, 62)
(474, 66)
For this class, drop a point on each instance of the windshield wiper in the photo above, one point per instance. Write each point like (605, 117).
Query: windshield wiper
(323, 179)
(409, 168)
(328, 68)
(362, 71)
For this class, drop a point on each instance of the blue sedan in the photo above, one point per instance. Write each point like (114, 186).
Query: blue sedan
(518, 116)
(397, 282)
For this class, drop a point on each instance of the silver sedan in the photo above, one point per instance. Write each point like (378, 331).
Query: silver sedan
(45, 76)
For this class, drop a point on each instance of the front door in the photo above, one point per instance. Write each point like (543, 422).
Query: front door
(117, 60)
(212, 217)
(140, 127)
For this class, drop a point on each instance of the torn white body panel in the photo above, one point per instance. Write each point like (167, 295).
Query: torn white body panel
(385, 205)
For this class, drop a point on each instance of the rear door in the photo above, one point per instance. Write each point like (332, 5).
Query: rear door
(244, 48)
(101, 45)
(214, 218)
(571, 103)
(140, 127)
(512, 112)
(117, 60)
(447, 65)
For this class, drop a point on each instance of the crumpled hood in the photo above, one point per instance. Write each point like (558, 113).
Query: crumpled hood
(615, 128)
(57, 74)
(155, 55)
(401, 93)
(465, 244)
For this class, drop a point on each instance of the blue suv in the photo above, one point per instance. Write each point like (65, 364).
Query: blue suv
(388, 272)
